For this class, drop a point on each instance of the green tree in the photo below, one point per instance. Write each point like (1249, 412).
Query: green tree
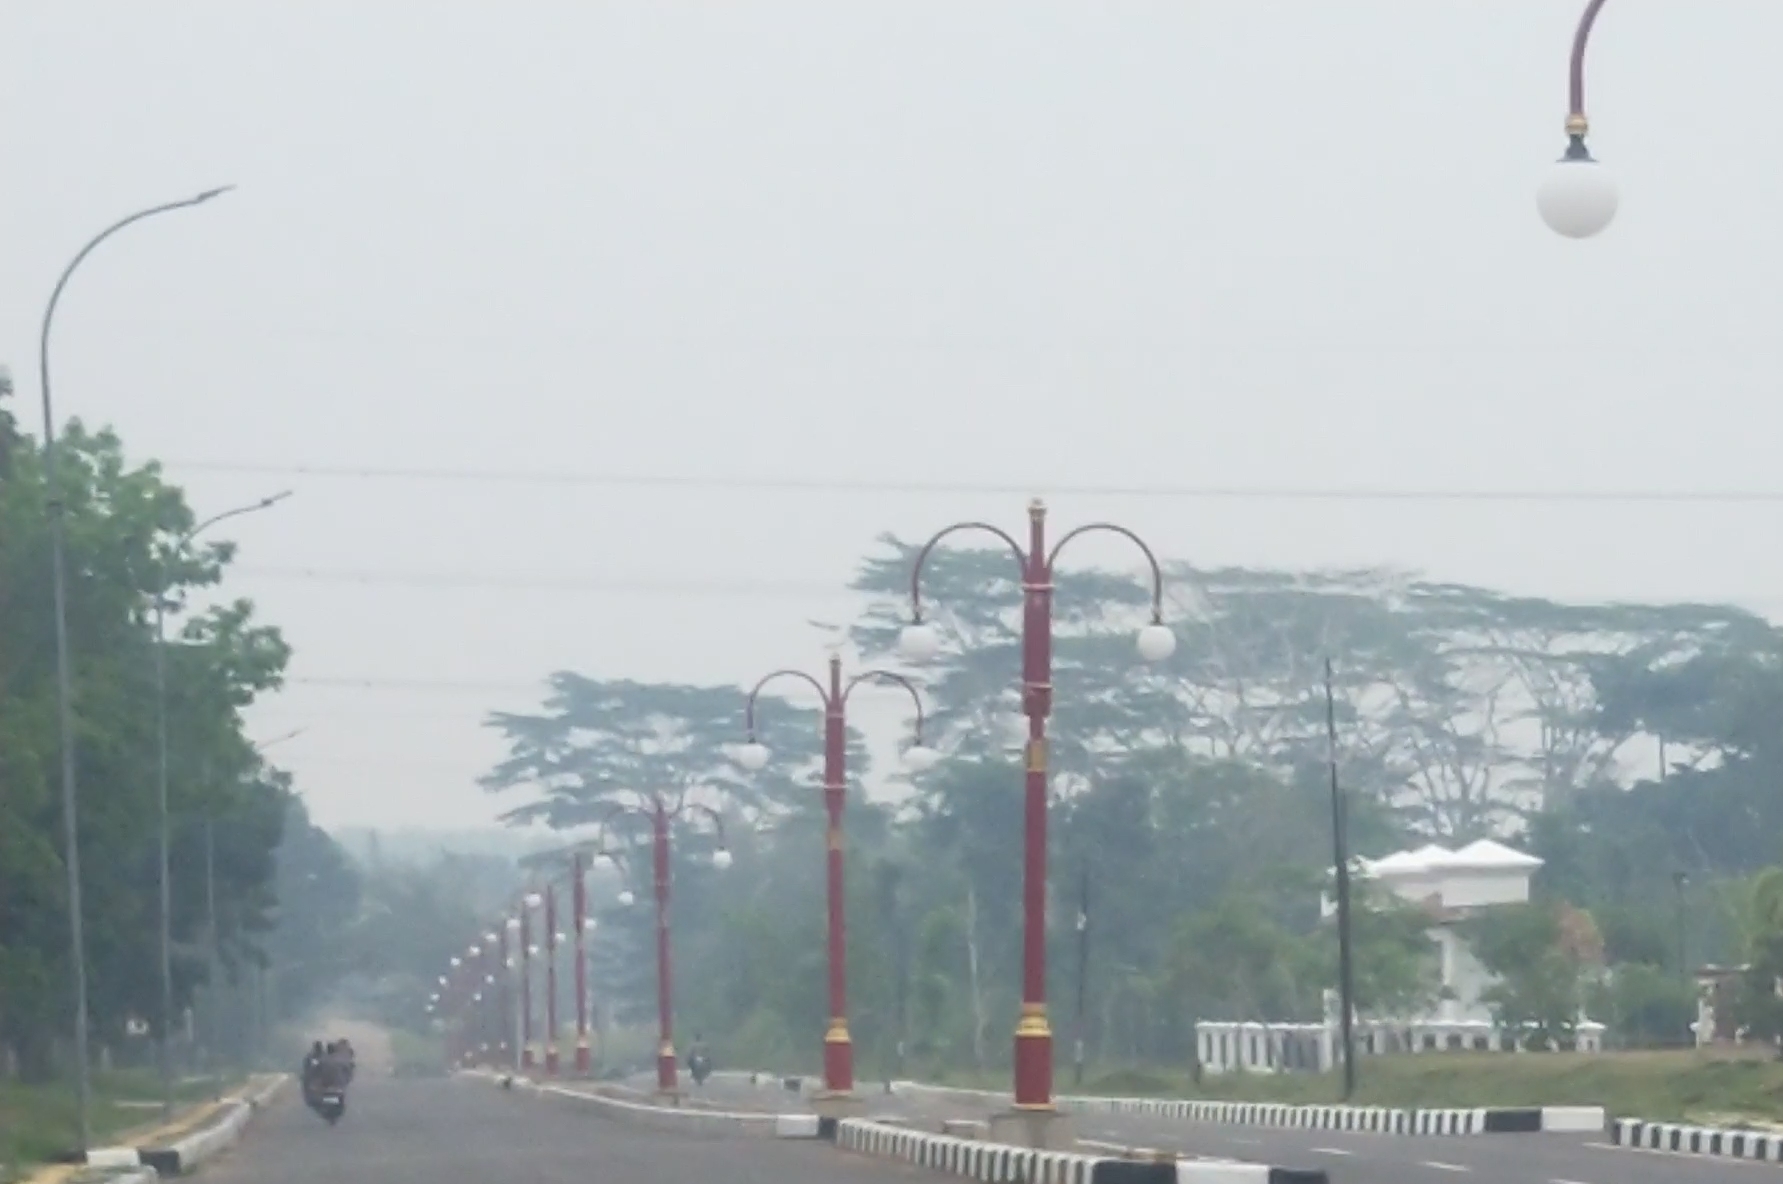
(121, 521)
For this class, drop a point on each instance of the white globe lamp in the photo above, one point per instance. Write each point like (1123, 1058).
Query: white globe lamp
(920, 758)
(1156, 642)
(721, 858)
(753, 756)
(627, 898)
(1577, 197)
(919, 642)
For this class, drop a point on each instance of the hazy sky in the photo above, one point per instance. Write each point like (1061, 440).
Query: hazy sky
(1243, 243)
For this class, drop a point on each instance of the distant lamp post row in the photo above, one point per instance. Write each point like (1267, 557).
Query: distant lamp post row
(920, 642)
(1578, 196)
(838, 1046)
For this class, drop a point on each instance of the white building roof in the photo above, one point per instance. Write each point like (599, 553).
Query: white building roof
(1433, 859)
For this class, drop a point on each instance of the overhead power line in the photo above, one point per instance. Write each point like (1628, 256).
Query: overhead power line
(831, 485)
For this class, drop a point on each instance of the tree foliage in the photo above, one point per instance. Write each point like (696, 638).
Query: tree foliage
(123, 526)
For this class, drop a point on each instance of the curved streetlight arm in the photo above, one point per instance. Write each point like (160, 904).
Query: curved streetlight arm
(265, 503)
(888, 676)
(180, 544)
(1150, 558)
(1576, 124)
(749, 703)
(922, 556)
(49, 311)
(716, 818)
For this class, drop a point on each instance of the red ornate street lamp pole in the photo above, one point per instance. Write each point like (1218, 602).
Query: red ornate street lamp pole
(528, 1057)
(659, 815)
(583, 923)
(920, 641)
(551, 1064)
(838, 1047)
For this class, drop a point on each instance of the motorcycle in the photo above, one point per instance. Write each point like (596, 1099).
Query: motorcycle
(331, 1104)
(700, 1066)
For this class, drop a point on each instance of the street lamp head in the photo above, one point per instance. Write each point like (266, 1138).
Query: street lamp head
(1577, 197)
(512, 924)
(627, 897)
(721, 858)
(491, 938)
(753, 756)
(456, 963)
(920, 758)
(474, 951)
(919, 642)
(589, 925)
(1156, 642)
(534, 900)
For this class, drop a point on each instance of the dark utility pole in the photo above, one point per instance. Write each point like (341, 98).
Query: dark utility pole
(1083, 974)
(1340, 846)
(1681, 881)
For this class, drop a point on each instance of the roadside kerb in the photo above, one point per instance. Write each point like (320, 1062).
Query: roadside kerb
(682, 1120)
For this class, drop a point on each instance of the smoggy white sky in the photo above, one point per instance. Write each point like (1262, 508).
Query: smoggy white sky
(1036, 244)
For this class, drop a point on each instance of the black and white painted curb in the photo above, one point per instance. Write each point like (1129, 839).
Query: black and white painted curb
(976, 1160)
(1371, 1119)
(186, 1153)
(1719, 1142)
(675, 1118)
(178, 1156)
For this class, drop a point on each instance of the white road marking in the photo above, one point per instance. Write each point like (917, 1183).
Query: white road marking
(1566, 1182)
(1330, 1151)
(1444, 1167)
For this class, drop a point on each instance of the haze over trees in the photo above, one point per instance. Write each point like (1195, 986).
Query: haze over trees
(1192, 797)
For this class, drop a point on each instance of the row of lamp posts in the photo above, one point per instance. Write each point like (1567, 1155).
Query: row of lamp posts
(918, 642)
(1577, 199)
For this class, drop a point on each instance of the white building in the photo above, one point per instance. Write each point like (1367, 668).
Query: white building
(1450, 886)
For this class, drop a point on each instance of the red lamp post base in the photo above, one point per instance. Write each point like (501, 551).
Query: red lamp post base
(838, 1058)
(583, 1062)
(1033, 1059)
(551, 1060)
(527, 1059)
(666, 1083)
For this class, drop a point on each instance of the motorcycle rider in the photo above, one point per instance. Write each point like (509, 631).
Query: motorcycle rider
(312, 1071)
(699, 1061)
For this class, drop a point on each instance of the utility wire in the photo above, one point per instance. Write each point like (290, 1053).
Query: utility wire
(778, 484)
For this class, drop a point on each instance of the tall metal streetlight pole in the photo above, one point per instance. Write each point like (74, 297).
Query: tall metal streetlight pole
(164, 816)
(58, 509)
(1340, 850)
(660, 815)
(1035, 1115)
(838, 1046)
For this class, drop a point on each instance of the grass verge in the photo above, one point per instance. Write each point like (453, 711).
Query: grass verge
(38, 1123)
(1720, 1087)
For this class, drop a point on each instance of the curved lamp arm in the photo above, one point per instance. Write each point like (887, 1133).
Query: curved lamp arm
(888, 676)
(49, 311)
(922, 556)
(1576, 123)
(749, 703)
(1150, 558)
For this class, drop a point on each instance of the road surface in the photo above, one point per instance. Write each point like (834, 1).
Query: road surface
(465, 1132)
(1347, 1156)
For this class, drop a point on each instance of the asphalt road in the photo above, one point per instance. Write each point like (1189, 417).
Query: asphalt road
(463, 1132)
(1349, 1158)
